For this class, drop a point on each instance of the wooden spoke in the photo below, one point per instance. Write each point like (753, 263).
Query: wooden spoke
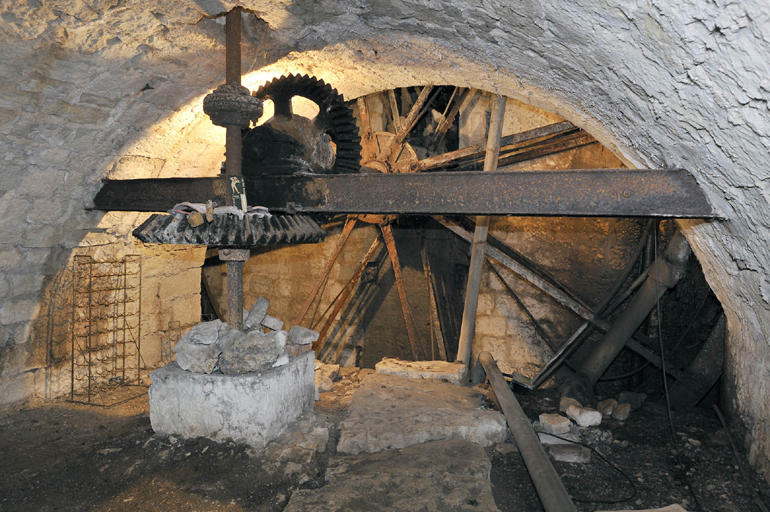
(435, 324)
(350, 223)
(411, 328)
(347, 291)
(363, 114)
(459, 106)
(406, 100)
(395, 148)
(395, 116)
(515, 148)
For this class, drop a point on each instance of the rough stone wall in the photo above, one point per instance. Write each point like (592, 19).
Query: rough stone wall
(677, 83)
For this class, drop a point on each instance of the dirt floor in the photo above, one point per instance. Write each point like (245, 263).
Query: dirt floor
(64, 456)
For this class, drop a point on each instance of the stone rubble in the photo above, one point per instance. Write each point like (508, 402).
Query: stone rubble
(566, 401)
(606, 407)
(197, 351)
(299, 335)
(506, 448)
(548, 439)
(568, 452)
(621, 412)
(584, 416)
(555, 424)
(257, 313)
(454, 373)
(250, 352)
(272, 323)
(210, 346)
(635, 399)
(325, 375)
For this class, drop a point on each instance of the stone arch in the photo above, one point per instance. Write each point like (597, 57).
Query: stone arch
(680, 84)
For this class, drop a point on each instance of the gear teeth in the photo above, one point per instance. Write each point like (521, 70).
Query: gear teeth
(230, 231)
(335, 115)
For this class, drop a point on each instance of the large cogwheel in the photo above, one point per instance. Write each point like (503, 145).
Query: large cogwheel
(335, 117)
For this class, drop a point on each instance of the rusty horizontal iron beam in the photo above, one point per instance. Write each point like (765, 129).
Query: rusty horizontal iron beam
(581, 193)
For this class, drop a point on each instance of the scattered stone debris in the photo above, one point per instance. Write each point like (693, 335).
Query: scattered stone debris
(210, 347)
(606, 407)
(548, 439)
(325, 375)
(272, 323)
(555, 423)
(635, 399)
(621, 412)
(574, 453)
(299, 335)
(566, 401)
(257, 313)
(299, 444)
(250, 352)
(454, 373)
(197, 350)
(506, 448)
(584, 416)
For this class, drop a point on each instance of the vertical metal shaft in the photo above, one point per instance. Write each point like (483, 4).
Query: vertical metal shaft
(480, 237)
(233, 166)
(233, 46)
(233, 74)
(235, 294)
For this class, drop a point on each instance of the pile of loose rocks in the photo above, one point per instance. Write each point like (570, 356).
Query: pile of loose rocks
(263, 344)
(561, 435)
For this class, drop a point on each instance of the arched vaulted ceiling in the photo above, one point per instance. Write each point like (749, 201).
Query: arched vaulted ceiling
(680, 83)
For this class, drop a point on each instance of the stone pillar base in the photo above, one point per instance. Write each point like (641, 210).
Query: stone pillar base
(252, 408)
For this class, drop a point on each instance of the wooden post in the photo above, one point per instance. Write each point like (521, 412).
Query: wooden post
(480, 238)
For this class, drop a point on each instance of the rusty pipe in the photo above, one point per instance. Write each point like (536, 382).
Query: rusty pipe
(548, 484)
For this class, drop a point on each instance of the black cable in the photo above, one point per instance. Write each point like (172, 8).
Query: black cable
(612, 465)
(665, 384)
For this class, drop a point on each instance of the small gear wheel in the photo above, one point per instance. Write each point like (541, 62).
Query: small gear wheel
(335, 119)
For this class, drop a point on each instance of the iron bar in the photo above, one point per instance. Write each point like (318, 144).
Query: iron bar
(580, 193)
(548, 484)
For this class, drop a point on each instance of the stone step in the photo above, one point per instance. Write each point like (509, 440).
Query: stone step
(389, 412)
